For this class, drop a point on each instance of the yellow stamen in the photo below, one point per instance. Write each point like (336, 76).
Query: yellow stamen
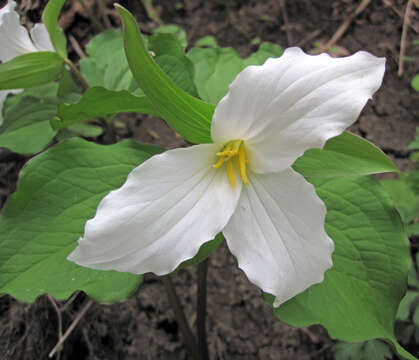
(233, 149)
(230, 172)
(219, 163)
(226, 149)
(242, 165)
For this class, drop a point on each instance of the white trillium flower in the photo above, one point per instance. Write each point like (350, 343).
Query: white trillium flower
(15, 40)
(241, 185)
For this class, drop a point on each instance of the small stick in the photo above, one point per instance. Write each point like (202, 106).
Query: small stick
(201, 305)
(309, 37)
(76, 46)
(188, 336)
(97, 24)
(283, 6)
(151, 12)
(342, 29)
(390, 3)
(104, 13)
(71, 328)
(69, 301)
(404, 38)
(60, 323)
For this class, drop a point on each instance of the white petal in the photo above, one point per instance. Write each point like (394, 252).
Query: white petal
(40, 38)
(168, 207)
(277, 234)
(294, 103)
(14, 38)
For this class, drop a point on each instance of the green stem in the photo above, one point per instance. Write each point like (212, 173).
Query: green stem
(188, 336)
(202, 309)
(77, 74)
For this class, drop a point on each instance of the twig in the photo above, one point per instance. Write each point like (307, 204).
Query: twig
(188, 336)
(309, 37)
(76, 46)
(151, 12)
(201, 305)
(404, 37)
(342, 28)
(97, 24)
(390, 4)
(77, 74)
(69, 301)
(283, 6)
(60, 324)
(102, 9)
(71, 328)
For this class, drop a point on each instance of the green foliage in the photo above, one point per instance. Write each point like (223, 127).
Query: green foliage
(207, 41)
(169, 55)
(175, 30)
(371, 260)
(346, 155)
(186, 114)
(216, 68)
(30, 70)
(25, 128)
(106, 64)
(369, 350)
(98, 102)
(58, 192)
(415, 82)
(56, 34)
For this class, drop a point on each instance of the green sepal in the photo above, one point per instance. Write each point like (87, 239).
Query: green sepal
(30, 70)
(56, 34)
(187, 115)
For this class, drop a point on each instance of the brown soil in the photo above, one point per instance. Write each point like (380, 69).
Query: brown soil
(240, 324)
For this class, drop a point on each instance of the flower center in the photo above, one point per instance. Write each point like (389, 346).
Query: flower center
(233, 150)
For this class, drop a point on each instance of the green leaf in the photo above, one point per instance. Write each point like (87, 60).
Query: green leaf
(29, 70)
(407, 204)
(205, 250)
(186, 114)
(405, 306)
(412, 229)
(370, 350)
(170, 57)
(216, 68)
(26, 128)
(346, 155)
(58, 192)
(207, 41)
(80, 129)
(266, 50)
(173, 30)
(107, 65)
(56, 34)
(371, 261)
(98, 102)
(415, 82)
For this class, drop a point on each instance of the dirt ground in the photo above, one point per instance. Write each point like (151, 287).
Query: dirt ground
(240, 324)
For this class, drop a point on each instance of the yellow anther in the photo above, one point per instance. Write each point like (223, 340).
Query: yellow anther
(226, 149)
(242, 165)
(233, 149)
(219, 163)
(230, 172)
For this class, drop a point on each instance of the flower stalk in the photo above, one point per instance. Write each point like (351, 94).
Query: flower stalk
(188, 336)
(82, 81)
(202, 309)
